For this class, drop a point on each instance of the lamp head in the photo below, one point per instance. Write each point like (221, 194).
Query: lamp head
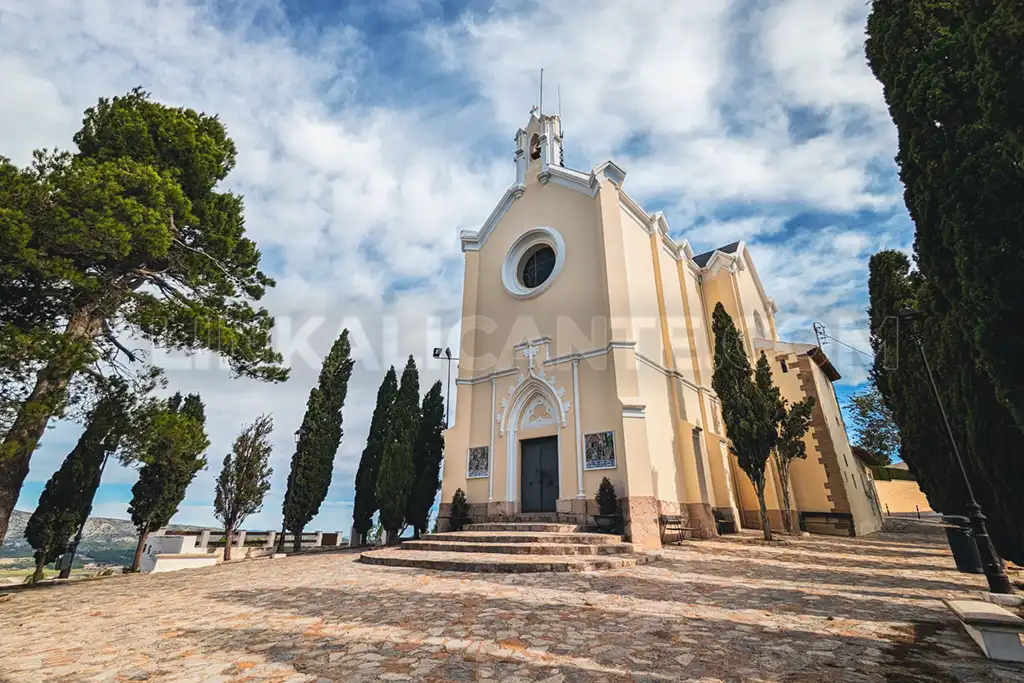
(437, 352)
(908, 315)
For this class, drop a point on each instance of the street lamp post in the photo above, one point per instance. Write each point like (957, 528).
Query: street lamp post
(998, 582)
(448, 392)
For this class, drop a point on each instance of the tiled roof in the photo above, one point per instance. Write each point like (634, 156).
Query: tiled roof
(702, 259)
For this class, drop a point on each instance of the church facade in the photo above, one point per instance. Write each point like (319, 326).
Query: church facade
(587, 353)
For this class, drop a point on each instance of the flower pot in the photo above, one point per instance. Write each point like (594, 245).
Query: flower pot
(606, 523)
(459, 522)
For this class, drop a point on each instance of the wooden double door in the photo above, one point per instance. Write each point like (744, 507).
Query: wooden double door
(539, 482)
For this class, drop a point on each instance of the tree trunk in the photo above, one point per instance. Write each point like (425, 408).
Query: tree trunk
(40, 563)
(280, 539)
(766, 525)
(228, 541)
(66, 562)
(30, 424)
(297, 541)
(787, 510)
(138, 551)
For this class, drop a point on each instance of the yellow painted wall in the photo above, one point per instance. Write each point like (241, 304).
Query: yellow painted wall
(901, 497)
(641, 287)
(865, 516)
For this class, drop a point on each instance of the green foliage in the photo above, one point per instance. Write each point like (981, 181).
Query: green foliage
(365, 505)
(174, 439)
(67, 498)
(375, 534)
(459, 510)
(751, 405)
(607, 500)
(245, 478)
(884, 473)
(126, 239)
(794, 421)
(428, 451)
(395, 477)
(984, 428)
(319, 438)
(792, 429)
(951, 72)
(876, 431)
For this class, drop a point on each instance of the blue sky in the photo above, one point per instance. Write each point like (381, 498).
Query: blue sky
(371, 133)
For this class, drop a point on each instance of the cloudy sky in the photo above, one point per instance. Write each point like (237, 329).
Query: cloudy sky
(371, 132)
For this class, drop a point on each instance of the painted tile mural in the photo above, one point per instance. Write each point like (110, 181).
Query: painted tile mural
(599, 451)
(478, 462)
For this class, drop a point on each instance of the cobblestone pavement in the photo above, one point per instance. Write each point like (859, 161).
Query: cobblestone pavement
(823, 609)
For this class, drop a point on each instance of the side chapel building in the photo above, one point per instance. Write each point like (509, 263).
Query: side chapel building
(587, 353)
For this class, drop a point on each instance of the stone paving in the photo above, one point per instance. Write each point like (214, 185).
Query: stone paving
(822, 609)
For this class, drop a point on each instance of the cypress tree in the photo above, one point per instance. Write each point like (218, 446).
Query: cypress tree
(951, 92)
(395, 478)
(750, 406)
(319, 438)
(365, 504)
(427, 454)
(67, 498)
(979, 421)
(175, 437)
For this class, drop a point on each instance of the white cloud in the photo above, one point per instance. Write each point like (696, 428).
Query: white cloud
(350, 196)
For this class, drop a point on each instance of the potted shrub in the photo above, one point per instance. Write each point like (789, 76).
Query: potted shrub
(460, 511)
(607, 506)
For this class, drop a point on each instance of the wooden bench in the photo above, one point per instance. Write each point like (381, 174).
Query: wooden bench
(998, 632)
(828, 518)
(725, 522)
(679, 525)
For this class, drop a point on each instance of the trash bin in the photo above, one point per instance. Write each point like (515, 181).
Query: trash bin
(961, 542)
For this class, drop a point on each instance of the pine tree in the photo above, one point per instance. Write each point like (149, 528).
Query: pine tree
(175, 439)
(874, 428)
(128, 237)
(67, 498)
(749, 406)
(365, 505)
(796, 420)
(319, 438)
(245, 478)
(427, 454)
(395, 478)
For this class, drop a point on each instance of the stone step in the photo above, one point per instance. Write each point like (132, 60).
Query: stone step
(508, 537)
(509, 564)
(522, 548)
(522, 526)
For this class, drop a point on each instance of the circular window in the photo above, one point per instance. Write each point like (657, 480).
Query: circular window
(533, 262)
(536, 266)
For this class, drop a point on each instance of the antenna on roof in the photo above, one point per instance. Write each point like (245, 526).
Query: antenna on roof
(542, 92)
(819, 333)
(559, 89)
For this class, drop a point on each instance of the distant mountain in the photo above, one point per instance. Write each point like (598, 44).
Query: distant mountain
(104, 539)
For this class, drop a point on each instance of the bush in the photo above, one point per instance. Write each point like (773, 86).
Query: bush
(460, 509)
(607, 501)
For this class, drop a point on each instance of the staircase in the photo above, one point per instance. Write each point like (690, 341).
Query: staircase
(512, 547)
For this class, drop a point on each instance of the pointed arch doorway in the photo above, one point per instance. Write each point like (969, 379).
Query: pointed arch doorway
(539, 474)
